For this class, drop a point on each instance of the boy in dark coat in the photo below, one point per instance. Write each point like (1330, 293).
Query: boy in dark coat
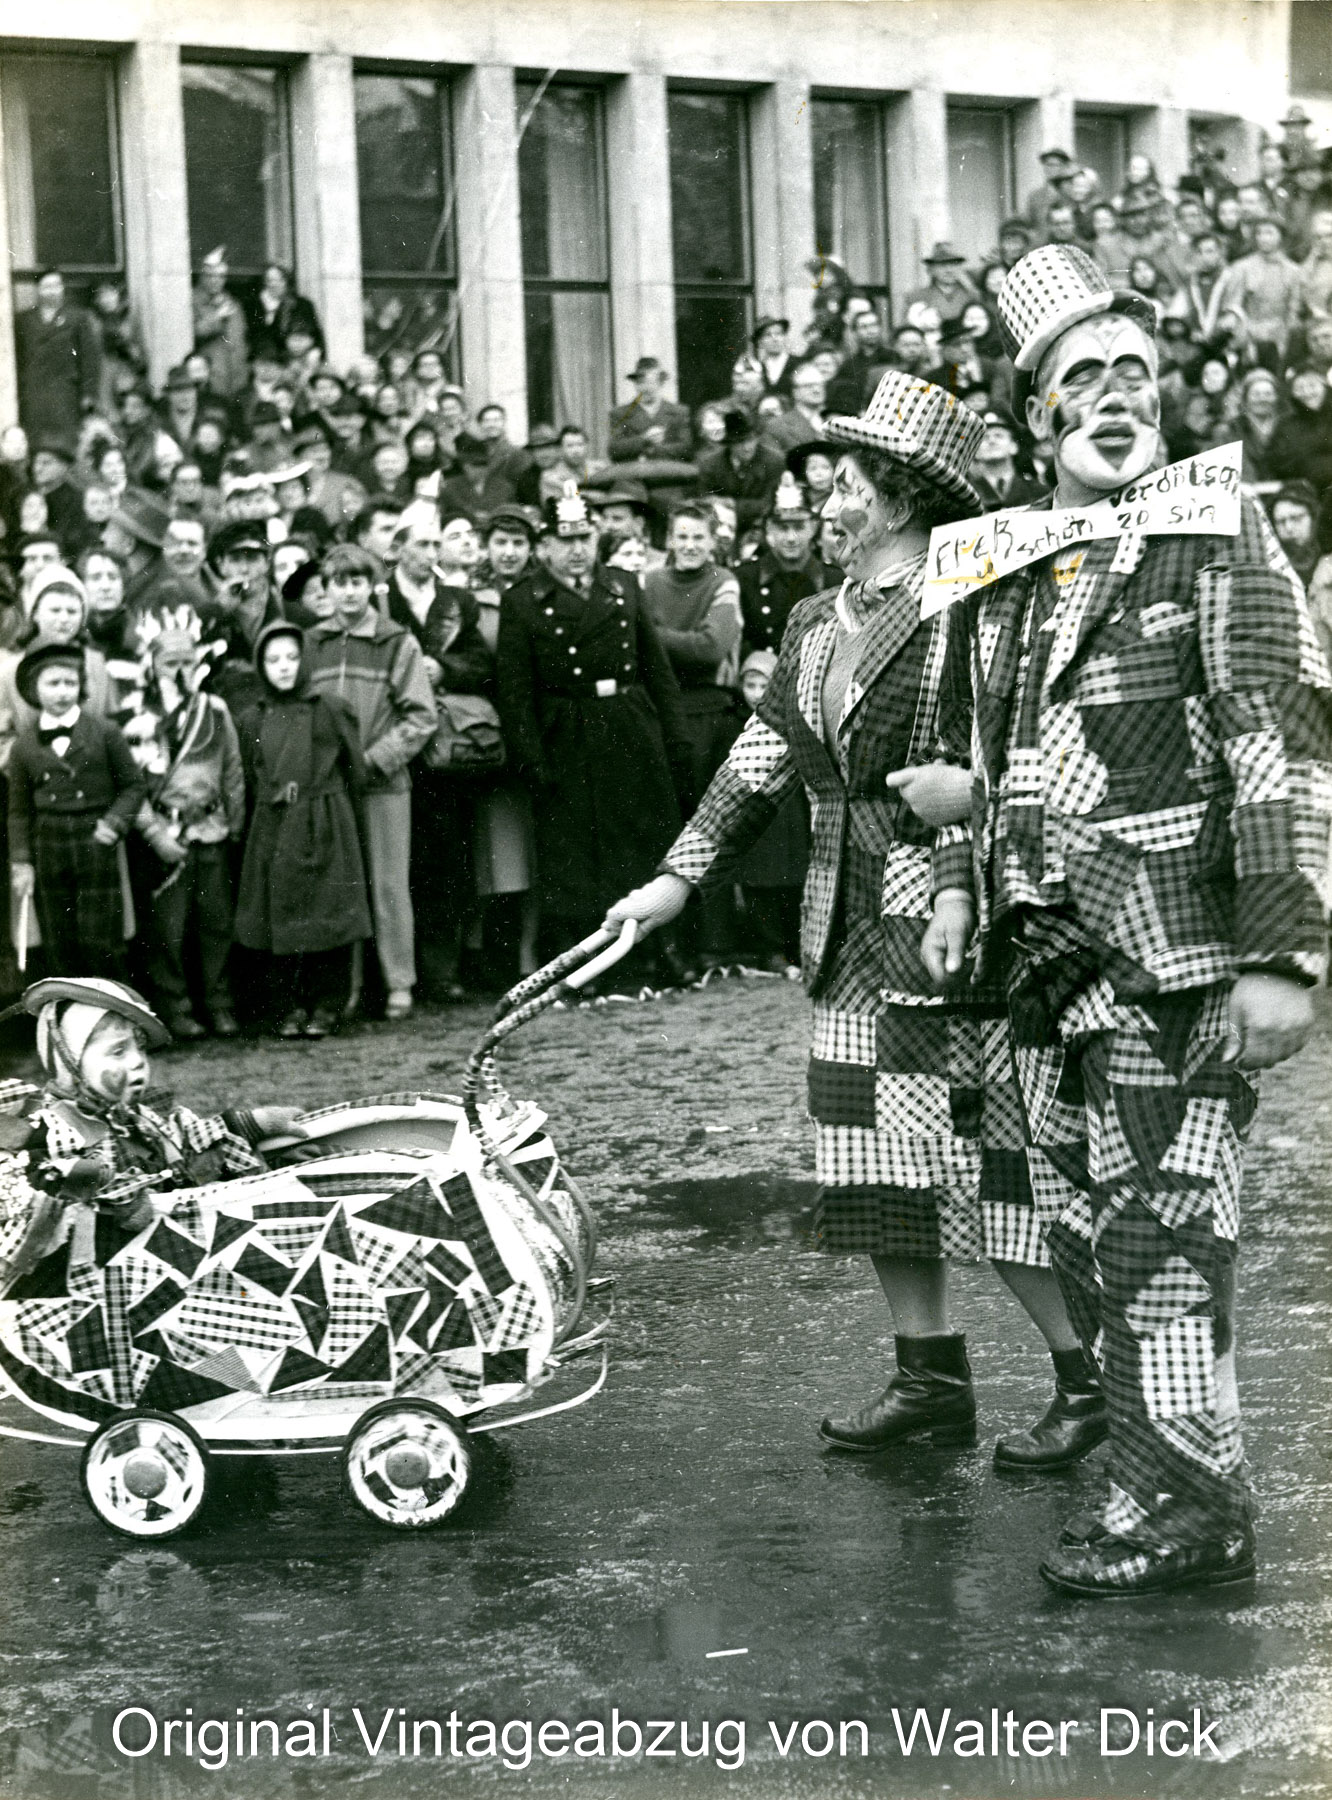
(302, 886)
(74, 789)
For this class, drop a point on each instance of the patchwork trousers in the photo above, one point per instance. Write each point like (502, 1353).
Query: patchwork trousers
(1135, 1150)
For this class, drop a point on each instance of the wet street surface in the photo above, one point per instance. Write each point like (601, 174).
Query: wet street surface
(610, 1552)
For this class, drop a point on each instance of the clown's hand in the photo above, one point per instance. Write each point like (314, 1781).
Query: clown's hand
(1270, 1019)
(656, 903)
(943, 949)
(279, 1121)
(939, 793)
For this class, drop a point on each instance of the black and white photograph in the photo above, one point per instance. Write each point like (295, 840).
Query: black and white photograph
(666, 781)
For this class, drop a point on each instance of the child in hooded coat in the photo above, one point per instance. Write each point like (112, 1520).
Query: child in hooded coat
(302, 886)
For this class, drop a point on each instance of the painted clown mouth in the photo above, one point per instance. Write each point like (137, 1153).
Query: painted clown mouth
(1115, 439)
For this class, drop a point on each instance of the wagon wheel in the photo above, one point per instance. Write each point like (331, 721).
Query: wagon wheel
(407, 1463)
(145, 1474)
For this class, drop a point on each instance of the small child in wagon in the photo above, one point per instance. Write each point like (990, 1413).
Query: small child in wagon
(92, 1137)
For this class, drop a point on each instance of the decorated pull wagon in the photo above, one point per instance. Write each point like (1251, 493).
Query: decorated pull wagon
(405, 1276)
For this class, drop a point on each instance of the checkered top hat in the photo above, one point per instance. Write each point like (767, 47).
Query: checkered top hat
(920, 425)
(1051, 288)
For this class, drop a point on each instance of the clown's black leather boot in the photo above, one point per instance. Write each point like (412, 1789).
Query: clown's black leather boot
(1074, 1424)
(929, 1397)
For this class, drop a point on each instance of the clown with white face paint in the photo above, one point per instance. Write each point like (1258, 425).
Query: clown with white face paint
(1096, 403)
(1151, 747)
(918, 1143)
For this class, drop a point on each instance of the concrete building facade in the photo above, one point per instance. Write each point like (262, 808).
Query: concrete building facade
(548, 191)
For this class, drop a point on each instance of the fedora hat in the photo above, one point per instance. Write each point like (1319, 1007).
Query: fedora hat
(943, 252)
(1051, 288)
(144, 516)
(765, 324)
(921, 426)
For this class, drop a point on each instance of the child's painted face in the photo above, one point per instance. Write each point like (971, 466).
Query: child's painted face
(176, 666)
(753, 686)
(114, 1064)
(351, 597)
(57, 689)
(282, 663)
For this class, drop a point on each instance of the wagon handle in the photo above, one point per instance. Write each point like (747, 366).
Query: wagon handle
(538, 992)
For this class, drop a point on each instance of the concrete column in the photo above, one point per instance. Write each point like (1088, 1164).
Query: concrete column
(1162, 132)
(326, 201)
(157, 223)
(490, 264)
(917, 127)
(1044, 124)
(782, 200)
(8, 363)
(642, 275)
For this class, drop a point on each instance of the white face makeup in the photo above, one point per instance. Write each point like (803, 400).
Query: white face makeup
(856, 520)
(114, 1064)
(1097, 404)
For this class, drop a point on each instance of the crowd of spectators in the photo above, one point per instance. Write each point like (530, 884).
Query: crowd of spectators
(285, 585)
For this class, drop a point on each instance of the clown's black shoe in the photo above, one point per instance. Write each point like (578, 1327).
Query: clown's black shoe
(930, 1397)
(1108, 1568)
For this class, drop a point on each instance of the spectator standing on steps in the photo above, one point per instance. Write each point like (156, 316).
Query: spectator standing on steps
(59, 357)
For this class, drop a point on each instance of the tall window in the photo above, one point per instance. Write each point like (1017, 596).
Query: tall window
(1100, 143)
(714, 283)
(850, 203)
(62, 183)
(566, 291)
(980, 175)
(404, 160)
(237, 162)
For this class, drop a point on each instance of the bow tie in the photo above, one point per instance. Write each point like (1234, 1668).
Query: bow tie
(53, 734)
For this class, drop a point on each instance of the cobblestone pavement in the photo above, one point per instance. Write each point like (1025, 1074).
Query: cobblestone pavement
(687, 1509)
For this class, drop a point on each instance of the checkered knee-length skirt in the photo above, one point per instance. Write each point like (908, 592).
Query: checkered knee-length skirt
(919, 1139)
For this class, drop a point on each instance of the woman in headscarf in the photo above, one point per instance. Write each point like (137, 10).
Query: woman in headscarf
(919, 1146)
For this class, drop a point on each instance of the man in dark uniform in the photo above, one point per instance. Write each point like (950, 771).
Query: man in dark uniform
(784, 571)
(590, 710)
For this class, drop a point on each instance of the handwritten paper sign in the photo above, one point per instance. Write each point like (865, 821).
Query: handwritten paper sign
(1199, 495)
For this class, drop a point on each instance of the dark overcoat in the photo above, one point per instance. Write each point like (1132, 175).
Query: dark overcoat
(59, 371)
(599, 764)
(302, 883)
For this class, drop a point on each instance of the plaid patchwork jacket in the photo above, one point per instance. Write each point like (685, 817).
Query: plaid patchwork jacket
(1157, 761)
(867, 893)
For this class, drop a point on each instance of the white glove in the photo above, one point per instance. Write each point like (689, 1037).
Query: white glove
(661, 900)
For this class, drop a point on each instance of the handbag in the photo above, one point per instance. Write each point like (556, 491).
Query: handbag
(468, 739)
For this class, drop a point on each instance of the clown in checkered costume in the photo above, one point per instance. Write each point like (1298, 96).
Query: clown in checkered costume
(1151, 746)
(919, 1135)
